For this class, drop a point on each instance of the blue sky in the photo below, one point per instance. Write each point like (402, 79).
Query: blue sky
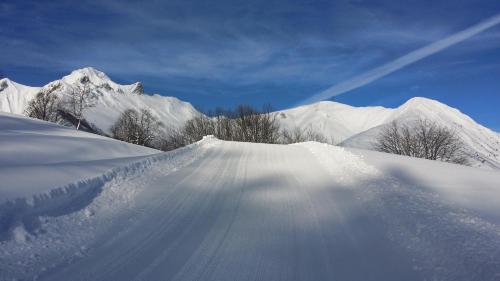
(221, 53)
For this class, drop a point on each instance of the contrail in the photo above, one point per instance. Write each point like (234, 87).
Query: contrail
(403, 61)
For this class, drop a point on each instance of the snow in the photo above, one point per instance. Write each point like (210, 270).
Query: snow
(20, 234)
(36, 156)
(14, 97)
(335, 120)
(220, 210)
(473, 189)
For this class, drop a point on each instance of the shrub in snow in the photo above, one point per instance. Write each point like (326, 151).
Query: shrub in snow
(422, 139)
(137, 127)
(297, 135)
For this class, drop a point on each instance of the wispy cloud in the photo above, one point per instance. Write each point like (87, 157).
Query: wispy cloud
(410, 58)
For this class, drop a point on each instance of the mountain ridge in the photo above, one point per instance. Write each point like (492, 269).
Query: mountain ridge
(112, 99)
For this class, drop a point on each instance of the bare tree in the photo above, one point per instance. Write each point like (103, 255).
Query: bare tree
(268, 125)
(423, 139)
(171, 139)
(250, 125)
(137, 127)
(294, 135)
(198, 127)
(79, 99)
(45, 104)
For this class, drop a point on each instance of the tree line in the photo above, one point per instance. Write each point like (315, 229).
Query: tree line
(244, 124)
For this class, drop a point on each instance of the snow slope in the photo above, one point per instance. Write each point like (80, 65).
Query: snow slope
(335, 120)
(36, 156)
(112, 99)
(241, 211)
(14, 97)
(360, 126)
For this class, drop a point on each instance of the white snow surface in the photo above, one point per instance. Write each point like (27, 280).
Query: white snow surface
(36, 156)
(335, 120)
(360, 126)
(14, 97)
(221, 210)
(111, 99)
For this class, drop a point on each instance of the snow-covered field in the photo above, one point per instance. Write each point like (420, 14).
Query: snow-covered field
(220, 210)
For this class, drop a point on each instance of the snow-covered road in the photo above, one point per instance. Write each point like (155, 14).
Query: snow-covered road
(267, 212)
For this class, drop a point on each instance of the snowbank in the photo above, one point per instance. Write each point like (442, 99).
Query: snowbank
(467, 187)
(36, 156)
(24, 212)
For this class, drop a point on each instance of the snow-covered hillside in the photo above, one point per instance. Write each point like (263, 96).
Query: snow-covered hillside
(335, 120)
(242, 211)
(37, 156)
(112, 99)
(360, 126)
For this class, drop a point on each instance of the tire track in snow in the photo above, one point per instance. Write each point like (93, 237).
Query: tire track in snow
(111, 259)
(201, 263)
(151, 234)
(212, 212)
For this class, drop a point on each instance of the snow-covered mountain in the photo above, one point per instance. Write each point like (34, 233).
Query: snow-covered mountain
(112, 99)
(359, 126)
(335, 120)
